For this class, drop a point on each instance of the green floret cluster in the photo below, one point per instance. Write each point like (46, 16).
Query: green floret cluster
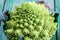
(32, 21)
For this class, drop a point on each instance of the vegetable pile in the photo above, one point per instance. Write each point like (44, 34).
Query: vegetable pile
(32, 21)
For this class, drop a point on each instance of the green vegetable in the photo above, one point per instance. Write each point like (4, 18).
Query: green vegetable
(31, 20)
